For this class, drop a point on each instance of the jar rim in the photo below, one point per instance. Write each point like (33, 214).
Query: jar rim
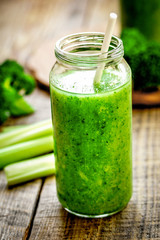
(84, 49)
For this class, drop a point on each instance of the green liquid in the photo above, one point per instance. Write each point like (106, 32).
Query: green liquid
(92, 143)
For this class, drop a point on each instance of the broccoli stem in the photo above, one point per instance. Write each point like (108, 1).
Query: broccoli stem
(24, 150)
(29, 132)
(30, 169)
(21, 107)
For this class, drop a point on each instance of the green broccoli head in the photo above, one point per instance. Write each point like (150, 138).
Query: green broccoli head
(19, 80)
(143, 57)
(146, 71)
(14, 84)
(133, 41)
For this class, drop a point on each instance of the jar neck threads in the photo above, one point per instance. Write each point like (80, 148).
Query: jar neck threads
(82, 50)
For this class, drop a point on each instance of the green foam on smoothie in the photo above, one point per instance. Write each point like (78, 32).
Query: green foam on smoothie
(82, 81)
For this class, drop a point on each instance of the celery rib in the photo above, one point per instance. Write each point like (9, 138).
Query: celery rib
(24, 150)
(6, 129)
(27, 133)
(30, 169)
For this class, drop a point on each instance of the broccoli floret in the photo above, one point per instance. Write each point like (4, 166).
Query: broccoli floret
(14, 84)
(147, 68)
(143, 57)
(133, 41)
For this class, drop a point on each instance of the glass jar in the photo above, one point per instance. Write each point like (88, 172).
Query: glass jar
(92, 125)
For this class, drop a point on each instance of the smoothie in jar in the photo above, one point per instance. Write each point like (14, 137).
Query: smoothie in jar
(93, 142)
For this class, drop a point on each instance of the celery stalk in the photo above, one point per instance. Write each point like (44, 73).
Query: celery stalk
(24, 150)
(29, 132)
(30, 169)
(12, 128)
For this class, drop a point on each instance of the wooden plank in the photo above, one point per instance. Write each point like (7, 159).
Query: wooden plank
(17, 206)
(139, 220)
(27, 24)
(40, 67)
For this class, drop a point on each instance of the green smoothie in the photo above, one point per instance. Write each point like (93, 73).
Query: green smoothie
(92, 131)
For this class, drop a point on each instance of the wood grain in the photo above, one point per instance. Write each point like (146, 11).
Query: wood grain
(27, 24)
(139, 220)
(17, 207)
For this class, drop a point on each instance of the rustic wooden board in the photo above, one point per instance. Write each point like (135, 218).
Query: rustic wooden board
(17, 207)
(144, 98)
(27, 24)
(141, 218)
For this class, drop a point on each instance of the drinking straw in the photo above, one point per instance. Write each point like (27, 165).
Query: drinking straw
(105, 45)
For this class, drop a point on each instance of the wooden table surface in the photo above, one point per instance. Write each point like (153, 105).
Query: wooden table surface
(32, 211)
